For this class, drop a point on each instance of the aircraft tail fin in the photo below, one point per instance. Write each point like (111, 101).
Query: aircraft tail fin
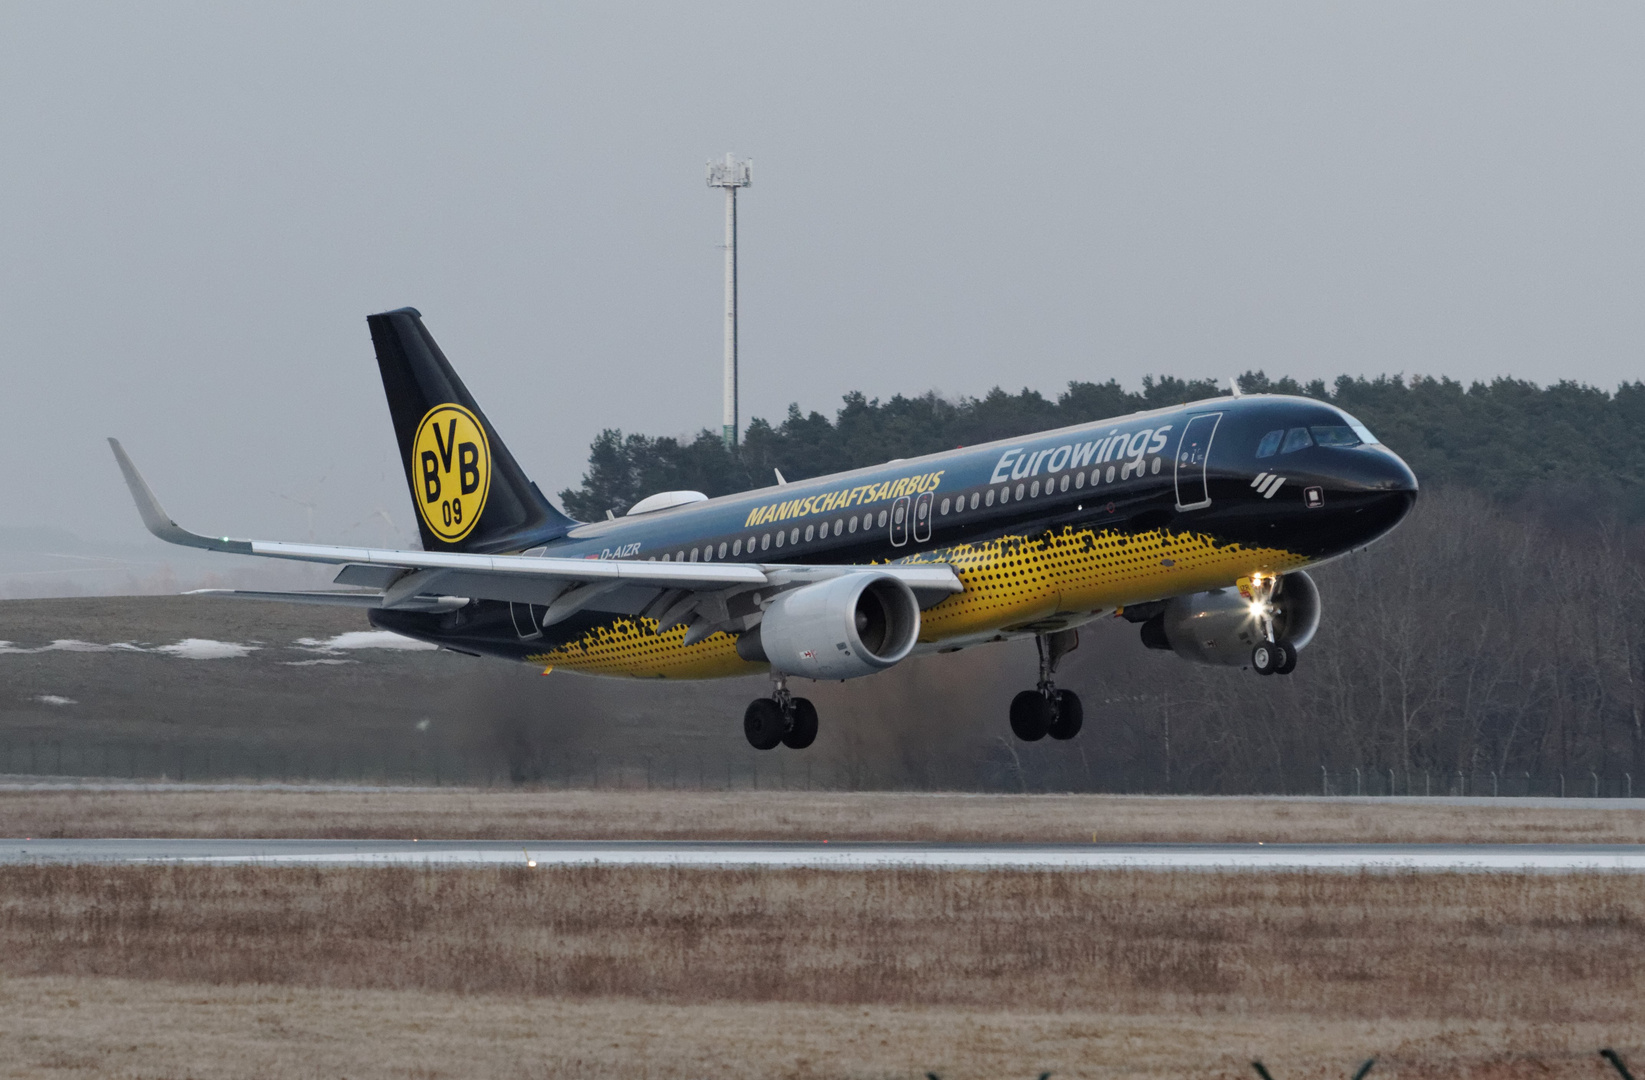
(469, 492)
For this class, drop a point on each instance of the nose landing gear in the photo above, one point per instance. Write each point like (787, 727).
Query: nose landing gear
(1273, 658)
(1269, 656)
(780, 718)
(1047, 710)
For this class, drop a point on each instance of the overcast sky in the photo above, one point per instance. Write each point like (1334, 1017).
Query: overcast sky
(202, 203)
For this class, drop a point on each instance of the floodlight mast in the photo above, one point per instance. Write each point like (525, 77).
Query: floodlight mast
(730, 174)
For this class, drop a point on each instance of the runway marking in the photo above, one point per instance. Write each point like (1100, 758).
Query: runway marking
(1512, 858)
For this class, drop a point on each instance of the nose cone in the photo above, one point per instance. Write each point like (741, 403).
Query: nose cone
(1387, 471)
(1373, 491)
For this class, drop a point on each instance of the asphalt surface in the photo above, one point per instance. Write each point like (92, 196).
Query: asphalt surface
(35, 782)
(842, 856)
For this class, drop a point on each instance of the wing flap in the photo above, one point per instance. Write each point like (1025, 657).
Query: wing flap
(335, 598)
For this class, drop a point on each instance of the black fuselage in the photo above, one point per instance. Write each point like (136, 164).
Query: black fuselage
(1160, 503)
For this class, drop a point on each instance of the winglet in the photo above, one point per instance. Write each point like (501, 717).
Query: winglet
(158, 521)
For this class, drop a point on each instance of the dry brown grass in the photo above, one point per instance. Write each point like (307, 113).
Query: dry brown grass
(92, 1027)
(755, 815)
(257, 971)
(1478, 947)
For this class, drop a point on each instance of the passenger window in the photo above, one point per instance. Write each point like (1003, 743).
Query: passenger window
(853, 522)
(945, 508)
(765, 541)
(679, 556)
(1269, 446)
(722, 549)
(794, 537)
(990, 496)
(839, 526)
(737, 548)
(780, 535)
(1079, 480)
(882, 519)
(810, 533)
(1036, 489)
(1019, 490)
(693, 554)
(1063, 486)
(1296, 439)
(1333, 435)
(974, 497)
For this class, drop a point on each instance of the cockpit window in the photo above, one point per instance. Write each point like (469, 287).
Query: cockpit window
(1269, 445)
(1360, 429)
(1296, 439)
(1335, 435)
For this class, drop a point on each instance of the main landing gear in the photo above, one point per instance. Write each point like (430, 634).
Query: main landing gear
(780, 718)
(1047, 710)
(1269, 656)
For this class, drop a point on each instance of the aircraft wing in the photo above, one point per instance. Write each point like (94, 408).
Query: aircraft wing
(702, 594)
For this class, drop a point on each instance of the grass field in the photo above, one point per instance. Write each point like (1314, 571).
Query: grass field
(96, 1026)
(753, 815)
(670, 973)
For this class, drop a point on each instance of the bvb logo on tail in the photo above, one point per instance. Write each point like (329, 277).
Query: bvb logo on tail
(451, 471)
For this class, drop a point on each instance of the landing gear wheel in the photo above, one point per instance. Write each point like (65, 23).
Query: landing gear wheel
(763, 723)
(803, 732)
(1267, 657)
(1030, 716)
(1290, 663)
(1070, 715)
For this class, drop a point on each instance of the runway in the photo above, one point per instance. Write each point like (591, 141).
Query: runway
(1541, 858)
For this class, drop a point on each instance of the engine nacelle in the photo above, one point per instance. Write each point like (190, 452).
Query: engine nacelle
(1220, 627)
(842, 628)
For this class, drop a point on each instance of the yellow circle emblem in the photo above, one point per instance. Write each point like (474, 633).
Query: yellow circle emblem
(451, 471)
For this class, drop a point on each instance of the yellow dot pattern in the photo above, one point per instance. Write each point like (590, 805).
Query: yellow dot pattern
(1009, 582)
(632, 648)
(1014, 580)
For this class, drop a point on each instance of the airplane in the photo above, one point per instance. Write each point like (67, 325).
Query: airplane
(1194, 522)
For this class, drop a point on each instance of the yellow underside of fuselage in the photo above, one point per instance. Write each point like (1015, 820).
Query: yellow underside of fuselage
(1011, 584)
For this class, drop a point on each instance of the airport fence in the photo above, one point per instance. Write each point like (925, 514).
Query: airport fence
(433, 763)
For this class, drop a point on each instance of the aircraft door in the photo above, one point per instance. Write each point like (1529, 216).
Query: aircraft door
(899, 521)
(922, 518)
(1193, 457)
(528, 620)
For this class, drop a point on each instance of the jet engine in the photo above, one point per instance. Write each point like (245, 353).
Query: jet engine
(842, 628)
(1221, 626)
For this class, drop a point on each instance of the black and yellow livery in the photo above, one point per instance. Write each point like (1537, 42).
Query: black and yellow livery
(1195, 522)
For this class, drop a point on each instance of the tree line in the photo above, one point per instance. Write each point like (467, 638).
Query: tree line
(1564, 446)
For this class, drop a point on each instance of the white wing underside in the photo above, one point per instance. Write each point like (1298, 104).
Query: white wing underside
(706, 596)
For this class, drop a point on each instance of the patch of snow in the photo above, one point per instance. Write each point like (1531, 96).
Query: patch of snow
(312, 663)
(61, 645)
(364, 639)
(55, 699)
(206, 649)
